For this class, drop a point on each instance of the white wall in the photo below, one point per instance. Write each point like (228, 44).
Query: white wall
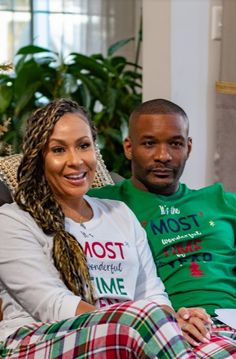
(181, 63)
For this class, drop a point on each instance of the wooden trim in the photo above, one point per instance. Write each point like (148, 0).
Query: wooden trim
(226, 87)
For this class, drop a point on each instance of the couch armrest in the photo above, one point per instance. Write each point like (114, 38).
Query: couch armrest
(5, 194)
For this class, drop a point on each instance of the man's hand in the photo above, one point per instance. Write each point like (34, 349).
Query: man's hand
(195, 324)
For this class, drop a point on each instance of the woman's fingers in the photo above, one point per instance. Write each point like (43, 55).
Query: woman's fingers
(195, 331)
(186, 313)
(195, 324)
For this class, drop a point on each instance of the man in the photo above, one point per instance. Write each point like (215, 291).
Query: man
(191, 232)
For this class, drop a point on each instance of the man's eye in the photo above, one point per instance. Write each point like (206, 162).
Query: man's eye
(177, 144)
(149, 143)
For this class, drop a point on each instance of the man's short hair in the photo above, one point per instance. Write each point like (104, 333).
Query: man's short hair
(158, 106)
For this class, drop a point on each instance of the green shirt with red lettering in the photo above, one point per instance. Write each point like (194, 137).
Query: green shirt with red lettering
(192, 237)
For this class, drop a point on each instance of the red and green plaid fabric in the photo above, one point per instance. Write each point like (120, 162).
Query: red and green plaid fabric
(222, 344)
(128, 330)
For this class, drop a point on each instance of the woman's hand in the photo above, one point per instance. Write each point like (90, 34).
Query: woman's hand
(195, 324)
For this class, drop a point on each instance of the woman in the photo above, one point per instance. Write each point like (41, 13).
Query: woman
(64, 256)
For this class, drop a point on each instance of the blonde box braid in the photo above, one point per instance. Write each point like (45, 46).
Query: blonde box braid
(35, 196)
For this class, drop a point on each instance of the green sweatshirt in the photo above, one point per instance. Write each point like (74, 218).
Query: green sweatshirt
(192, 237)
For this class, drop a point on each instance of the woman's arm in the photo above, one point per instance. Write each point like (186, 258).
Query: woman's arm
(27, 270)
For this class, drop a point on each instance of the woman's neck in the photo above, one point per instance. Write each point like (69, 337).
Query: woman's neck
(79, 211)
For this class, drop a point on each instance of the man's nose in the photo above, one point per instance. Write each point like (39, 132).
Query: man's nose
(162, 153)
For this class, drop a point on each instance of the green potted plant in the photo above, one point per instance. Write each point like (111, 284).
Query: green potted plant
(108, 87)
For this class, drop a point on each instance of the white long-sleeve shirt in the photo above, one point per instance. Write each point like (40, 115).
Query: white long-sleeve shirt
(118, 256)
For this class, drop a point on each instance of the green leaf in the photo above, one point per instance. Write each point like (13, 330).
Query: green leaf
(82, 62)
(119, 63)
(117, 45)
(32, 49)
(91, 85)
(6, 94)
(83, 96)
(47, 60)
(114, 133)
(133, 75)
(29, 73)
(25, 97)
(19, 64)
(99, 57)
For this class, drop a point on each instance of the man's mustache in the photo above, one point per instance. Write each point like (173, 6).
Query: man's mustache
(160, 167)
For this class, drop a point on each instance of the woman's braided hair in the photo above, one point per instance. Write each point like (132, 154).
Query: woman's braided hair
(35, 196)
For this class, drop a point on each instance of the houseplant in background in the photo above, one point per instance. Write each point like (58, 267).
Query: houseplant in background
(109, 87)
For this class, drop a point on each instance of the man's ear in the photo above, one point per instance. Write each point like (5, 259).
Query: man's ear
(127, 145)
(189, 145)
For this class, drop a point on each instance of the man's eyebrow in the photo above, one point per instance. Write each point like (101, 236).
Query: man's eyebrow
(147, 136)
(154, 137)
(178, 137)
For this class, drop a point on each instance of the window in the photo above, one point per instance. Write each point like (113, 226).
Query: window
(64, 26)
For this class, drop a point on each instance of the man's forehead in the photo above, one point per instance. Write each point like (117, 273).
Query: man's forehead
(159, 121)
(159, 117)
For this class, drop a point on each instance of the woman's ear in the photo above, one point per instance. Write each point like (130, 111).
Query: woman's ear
(127, 145)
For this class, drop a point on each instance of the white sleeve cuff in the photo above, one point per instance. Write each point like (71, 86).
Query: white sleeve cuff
(68, 306)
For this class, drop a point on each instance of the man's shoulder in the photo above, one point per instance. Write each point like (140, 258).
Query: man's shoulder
(109, 191)
(216, 187)
(215, 191)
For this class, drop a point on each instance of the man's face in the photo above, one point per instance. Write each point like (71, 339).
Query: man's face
(158, 147)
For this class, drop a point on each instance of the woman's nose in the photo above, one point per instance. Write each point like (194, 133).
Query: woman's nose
(74, 157)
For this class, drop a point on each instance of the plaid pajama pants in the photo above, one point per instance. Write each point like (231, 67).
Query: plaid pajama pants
(128, 330)
(137, 329)
(221, 346)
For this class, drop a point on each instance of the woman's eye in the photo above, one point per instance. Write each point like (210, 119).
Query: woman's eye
(85, 145)
(58, 149)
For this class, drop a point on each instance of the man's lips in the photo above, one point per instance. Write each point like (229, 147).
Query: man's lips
(161, 172)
